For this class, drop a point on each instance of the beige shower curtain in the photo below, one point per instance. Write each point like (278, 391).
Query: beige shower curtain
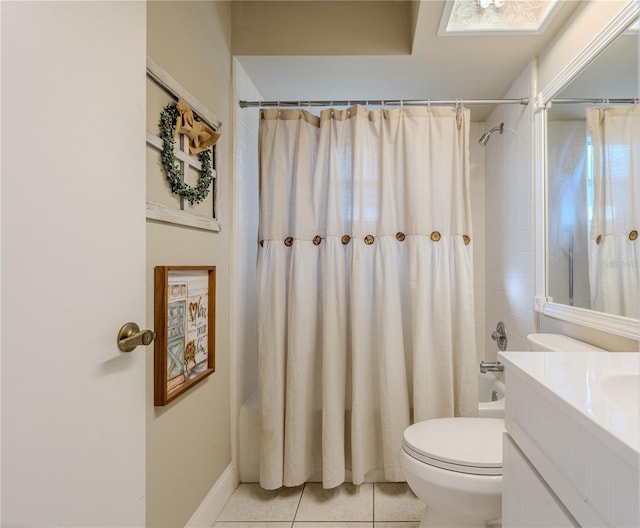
(365, 287)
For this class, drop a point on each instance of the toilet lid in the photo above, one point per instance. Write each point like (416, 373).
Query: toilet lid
(466, 445)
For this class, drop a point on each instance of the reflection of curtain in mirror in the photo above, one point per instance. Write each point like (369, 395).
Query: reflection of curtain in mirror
(614, 252)
(567, 233)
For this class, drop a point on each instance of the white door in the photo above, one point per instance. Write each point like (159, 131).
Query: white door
(73, 262)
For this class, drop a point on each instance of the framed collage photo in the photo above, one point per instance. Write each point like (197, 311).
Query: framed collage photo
(184, 312)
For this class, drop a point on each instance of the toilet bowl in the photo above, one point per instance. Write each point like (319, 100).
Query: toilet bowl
(454, 465)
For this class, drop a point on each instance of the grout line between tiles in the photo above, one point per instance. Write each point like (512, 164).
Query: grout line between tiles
(373, 505)
(295, 514)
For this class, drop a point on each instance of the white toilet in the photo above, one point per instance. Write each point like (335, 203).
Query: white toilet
(454, 465)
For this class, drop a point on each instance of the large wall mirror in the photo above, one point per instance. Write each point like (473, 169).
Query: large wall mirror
(592, 131)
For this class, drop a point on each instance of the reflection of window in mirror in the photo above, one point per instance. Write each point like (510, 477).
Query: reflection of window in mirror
(593, 131)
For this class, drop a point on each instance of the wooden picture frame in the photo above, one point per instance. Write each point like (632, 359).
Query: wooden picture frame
(184, 314)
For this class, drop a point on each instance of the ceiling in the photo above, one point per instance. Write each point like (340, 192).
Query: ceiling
(430, 67)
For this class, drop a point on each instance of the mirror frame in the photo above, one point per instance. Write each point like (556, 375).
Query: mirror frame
(613, 324)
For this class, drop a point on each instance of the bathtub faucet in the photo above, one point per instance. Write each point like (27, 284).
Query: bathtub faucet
(491, 366)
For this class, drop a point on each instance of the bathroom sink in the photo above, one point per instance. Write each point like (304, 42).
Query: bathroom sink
(622, 389)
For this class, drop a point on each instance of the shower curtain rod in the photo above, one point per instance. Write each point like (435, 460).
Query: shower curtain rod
(382, 102)
(601, 100)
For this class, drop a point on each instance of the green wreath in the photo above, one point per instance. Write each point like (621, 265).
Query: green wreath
(194, 195)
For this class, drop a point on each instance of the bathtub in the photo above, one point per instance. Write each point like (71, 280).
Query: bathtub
(490, 405)
(490, 396)
(249, 440)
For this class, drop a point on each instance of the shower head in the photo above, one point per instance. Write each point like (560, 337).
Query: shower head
(484, 139)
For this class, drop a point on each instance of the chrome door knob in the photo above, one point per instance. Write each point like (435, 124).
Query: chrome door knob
(130, 336)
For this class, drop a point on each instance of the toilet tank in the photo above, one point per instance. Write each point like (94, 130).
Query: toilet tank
(559, 343)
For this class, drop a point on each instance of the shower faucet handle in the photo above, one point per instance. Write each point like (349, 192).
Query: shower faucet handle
(499, 335)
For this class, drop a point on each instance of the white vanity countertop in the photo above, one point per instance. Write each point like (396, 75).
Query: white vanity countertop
(597, 389)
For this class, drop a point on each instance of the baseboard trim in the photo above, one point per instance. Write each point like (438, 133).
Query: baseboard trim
(210, 508)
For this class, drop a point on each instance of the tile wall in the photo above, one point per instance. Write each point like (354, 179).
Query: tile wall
(510, 272)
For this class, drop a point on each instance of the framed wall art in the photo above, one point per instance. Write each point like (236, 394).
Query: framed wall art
(184, 312)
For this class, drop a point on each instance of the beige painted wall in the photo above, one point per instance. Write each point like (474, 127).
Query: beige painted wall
(188, 441)
(355, 27)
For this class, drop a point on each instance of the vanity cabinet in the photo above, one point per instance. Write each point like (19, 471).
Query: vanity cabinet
(571, 453)
(527, 500)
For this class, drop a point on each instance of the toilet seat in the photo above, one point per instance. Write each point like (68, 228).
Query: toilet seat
(465, 445)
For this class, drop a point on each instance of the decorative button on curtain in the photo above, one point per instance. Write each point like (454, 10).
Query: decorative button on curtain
(369, 331)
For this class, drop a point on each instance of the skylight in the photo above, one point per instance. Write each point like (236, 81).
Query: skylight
(478, 17)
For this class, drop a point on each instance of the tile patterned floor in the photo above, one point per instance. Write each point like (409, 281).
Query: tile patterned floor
(379, 505)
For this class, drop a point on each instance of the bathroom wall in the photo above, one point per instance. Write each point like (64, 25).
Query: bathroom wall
(244, 333)
(188, 441)
(510, 277)
(268, 28)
